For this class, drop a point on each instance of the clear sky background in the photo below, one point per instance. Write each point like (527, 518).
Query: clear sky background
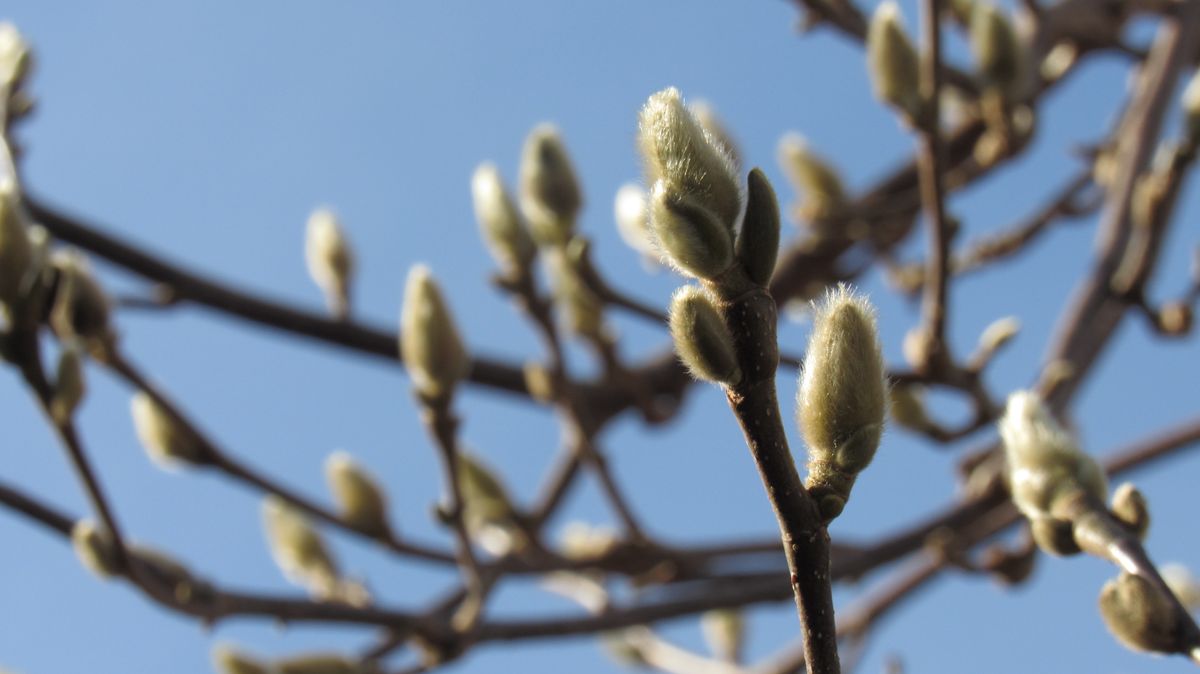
(209, 130)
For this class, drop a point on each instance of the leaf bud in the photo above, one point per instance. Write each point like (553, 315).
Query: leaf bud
(69, 384)
(813, 177)
(1139, 615)
(81, 307)
(298, 548)
(359, 497)
(229, 660)
(997, 50)
(758, 242)
(702, 339)
(95, 549)
(503, 230)
(167, 443)
(689, 235)
(15, 249)
(843, 396)
(550, 194)
(330, 259)
(1183, 584)
(1129, 506)
(689, 161)
(429, 341)
(1044, 461)
(633, 219)
(724, 632)
(892, 61)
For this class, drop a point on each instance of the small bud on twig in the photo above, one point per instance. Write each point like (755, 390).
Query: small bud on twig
(94, 547)
(550, 194)
(1139, 615)
(15, 249)
(724, 632)
(997, 50)
(503, 230)
(360, 500)
(892, 61)
(487, 510)
(69, 385)
(298, 548)
(81, 307)
(579, 308)
(702, 339)
(228, 660)
(1130, 508)
(633, 219)
(15, 57)
(429, 341)
(166, 442)
(813, 177)
(318, 663)
(758, 242)
(330, 259)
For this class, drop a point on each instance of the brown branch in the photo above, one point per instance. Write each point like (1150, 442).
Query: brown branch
(933, 193)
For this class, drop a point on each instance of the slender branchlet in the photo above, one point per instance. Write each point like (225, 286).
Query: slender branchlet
(843, 397)
(359, 497)
(630, 209)
(550, 192)
(757, 245)
(168, 443)
(998, 52)
(429, 341)
(503, 230)
(15, 249)
(892, 61)
(814, 178)
(702, 339)
(330, 259)
(227, 659)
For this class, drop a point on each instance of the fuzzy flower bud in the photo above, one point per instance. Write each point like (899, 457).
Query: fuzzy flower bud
(1044, 461)
(330, 259)
(501, 225)
(360, 499)
(584, 541)
(1130, 508)
(724, 632)
(487, 510)
(94, 547)
(15, 249)
(579, 308)
(996, 48)
(298, 548)
(15, 56)
(892, 60)
(707, 116)
(633, 220)
(843, 397)
(166, 442)
(550, 194)
(999, 333)
(907, 406)
(813, 177)
(429, 341)
(692, 237)
(228, 660)
(69, 386)
(1139, 615)
(690, 162)
(81, 307)
(318, 663)
(757, 244)
(702, 339)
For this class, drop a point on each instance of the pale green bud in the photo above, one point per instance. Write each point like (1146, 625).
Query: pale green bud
(550, 194)
(538, 381)
(167, 443)
(579, 308)
(1139, 615)
(1191, 108)
(330, 259)
(1183, 584)
(724, 632)
(487, 510)
(907, 406)
(95, 549)
(687, 159)
(1175, 318)
(584, 541)
(999, 333)
(318, 663)
(228, 660)
(843, 396)
(1044, 461)
(69, 385)
(81, 307)
(1055, 536)
(892, 60)
(15, 56)
(360, 500)
(15, 248)
(172, 573)
(1129, 506)
(503, 230)
(633, 219)
(622, 647)
(758, 242)
(711, 122)
(429, 341)
(997, 50)
(1059, 60)
(298, 548)
(689, 235)
(813, 177)
(702, 339)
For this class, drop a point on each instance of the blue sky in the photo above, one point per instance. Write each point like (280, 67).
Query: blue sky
(209, 130)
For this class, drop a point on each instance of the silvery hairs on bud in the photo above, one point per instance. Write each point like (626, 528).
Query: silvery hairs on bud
(167, 443)
(359, 497)
(892, 60)
(702, 339)
(550, 192)
(503, 230)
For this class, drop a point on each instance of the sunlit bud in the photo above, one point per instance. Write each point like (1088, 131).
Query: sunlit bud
(538, 381)
(996, 48)
(360, 500)
(330, 259)
(169, 571)
(702, 339)
(15, 56)
(1130, 508)
(813, 177)
(999, 333)
(15, 249)
(843, 396)
(621, 646)
(1059, 60)
(487, 510)
(584, 541)
(166, 442)
(503, 230)
(917, 348)
(298, 548)
(318, 663)
(1055, 536)
(81, 308)
(689, 161)
(724, 632)
(579, 308)
(1057, 372)
(429, 342)
(95, 549)
(708, 118)
(228, 660)
(633, 219)
(1175, 318)
(1140, 616)
(689, 235)
(892, 60)
(908, 407)
(758, 242)
(1191, 108)
(69, 385)
(1044, 461)
(1185, 586)
(550, 194)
